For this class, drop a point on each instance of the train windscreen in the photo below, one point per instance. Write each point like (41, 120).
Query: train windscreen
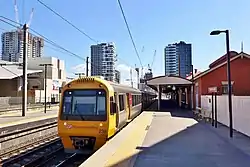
(84, 105)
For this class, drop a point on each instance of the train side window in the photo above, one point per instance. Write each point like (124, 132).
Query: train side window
(137, 99)
(121, 102)
(133, 100)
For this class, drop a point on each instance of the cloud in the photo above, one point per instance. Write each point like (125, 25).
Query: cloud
(80, 68)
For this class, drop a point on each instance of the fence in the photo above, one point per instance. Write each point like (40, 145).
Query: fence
(9, 101)
(240, 107)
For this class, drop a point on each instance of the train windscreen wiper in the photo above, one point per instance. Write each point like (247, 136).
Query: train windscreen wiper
(76, 109)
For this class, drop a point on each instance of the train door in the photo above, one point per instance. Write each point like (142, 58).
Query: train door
(128, 104)
(112, 116)
(117, 114)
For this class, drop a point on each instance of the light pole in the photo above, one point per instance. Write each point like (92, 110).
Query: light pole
(45, 85)
(217, 32)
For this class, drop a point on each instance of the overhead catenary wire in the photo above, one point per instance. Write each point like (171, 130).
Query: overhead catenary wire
(8, 23)
(130, 34)
(56, 13)
(56, 45)
(49, 41)
(45, 39)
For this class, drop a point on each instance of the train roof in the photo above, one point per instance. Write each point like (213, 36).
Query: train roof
(123, 88)
(116, 87)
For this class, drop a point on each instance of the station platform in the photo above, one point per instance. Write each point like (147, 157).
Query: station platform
(11, 121)
(172, 138)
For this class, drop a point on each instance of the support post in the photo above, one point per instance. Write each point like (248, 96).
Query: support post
(45, 89)
(180, 96)
(215, 109)
(212, 109)
(45, 85)
(229, 86)
(159, 100)
(131, 78)
(87, 66)
(25, 78)
(192, 97)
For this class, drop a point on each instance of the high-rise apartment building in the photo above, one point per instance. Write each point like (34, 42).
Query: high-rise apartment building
(12, 46)
(103, 58)
(178, 59)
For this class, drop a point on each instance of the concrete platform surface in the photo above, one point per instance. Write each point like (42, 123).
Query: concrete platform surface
(172, 139)
(16, 118)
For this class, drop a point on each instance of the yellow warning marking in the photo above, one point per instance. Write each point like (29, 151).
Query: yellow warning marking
(127, 150)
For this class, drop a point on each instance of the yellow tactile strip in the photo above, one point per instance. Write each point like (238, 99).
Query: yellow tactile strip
(126, 153)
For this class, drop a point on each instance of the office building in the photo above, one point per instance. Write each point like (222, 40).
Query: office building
(56, 75)
(178, 59)
(11, 80)
(103, 58)
(12, 46)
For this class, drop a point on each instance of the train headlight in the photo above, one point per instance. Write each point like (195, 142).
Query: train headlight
(100, 124)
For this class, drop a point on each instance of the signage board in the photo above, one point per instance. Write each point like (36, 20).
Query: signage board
(212, 89)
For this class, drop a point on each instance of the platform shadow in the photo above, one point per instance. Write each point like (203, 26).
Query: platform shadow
(170, 106)
(193, 146)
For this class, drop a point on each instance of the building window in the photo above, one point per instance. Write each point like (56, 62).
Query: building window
(224, 89)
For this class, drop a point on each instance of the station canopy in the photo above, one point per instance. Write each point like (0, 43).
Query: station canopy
(168, 81)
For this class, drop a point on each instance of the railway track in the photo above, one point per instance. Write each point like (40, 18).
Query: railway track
(46, 150)
(49, 154)
(30, 152)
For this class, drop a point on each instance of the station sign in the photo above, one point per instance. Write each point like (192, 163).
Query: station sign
(212, 89)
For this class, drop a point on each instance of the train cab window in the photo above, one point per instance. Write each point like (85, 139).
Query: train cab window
(84, 105)
(121, 102)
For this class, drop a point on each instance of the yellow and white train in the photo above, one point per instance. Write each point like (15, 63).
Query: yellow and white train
(92, 110)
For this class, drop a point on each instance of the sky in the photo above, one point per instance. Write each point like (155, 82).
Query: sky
(153, 24)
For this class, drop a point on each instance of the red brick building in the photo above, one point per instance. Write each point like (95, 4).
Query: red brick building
(216, 77)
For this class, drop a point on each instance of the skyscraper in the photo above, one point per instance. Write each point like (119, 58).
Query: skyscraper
(12, 46)
(103, 58)
(178, 59)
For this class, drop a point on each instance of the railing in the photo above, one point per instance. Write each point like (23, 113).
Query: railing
(29, 107)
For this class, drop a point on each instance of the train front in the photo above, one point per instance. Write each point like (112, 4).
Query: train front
(83, 117)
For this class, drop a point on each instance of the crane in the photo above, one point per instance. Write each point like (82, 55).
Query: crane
(150, 67)
(16, 12)
(17, 16)
(31, 16)
(142, 75)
